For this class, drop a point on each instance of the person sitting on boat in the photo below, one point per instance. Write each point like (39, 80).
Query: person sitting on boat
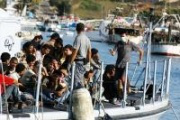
(45, 50)
(28, 48)
(30, 77)
(81, 55)
(9, 90)
(51, 64)
(123, 49)
(95, 66)
(109, 84)
(53, 39)
(55, 89)
(87, 80)
(58, 49)
(37, 41)
(5, 58)
(67, 55)
(12, 65)
(95, 63)
(16, 75)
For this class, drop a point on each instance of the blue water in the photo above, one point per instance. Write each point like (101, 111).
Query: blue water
(175, 73)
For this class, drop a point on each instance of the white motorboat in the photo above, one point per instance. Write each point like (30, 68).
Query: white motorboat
(166, 49)
(146, 102)
(10, 27)
(120, 25)
(143, 104)
(166, 38)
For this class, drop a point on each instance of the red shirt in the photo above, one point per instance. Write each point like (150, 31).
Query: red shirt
(7, 81)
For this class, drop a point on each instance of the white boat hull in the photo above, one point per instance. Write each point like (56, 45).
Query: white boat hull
(166, 49)
(147, 112)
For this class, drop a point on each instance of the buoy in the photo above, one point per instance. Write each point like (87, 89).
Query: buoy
(82, 105)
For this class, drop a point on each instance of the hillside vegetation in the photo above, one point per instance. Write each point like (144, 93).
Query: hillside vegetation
(100, 8)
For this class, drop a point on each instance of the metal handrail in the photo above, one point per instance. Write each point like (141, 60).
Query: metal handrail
(125, 87)
(163, 80)
(38, 87)
(135, 63)
(71, 90)
(154, 82)
(168, 76)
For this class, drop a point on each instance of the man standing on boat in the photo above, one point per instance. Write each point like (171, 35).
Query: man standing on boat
(81, 55)
(123, 49)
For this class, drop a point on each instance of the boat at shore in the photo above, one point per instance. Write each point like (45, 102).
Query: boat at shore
(109, 30)
(166, 36)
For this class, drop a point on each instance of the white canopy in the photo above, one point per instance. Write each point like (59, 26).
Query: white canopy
(3, 13)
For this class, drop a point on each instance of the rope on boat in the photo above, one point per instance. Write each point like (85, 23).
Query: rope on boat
(4, 87)
(177, 117)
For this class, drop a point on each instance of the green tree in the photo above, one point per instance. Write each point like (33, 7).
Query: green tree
(63, 6)
(2, 4)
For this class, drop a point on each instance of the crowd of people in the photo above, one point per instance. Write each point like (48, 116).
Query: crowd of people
(19, 76)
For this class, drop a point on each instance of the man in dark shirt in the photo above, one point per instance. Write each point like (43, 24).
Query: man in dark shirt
(123, 49)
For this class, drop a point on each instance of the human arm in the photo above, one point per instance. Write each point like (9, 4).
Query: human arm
(88, 58)
(139, 50)
(74, 54)
(141, 54)
(76, 46)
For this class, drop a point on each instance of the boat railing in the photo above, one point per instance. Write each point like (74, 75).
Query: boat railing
(159, 86)
(162, 89)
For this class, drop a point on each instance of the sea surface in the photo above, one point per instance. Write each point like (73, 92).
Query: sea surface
(105, 56)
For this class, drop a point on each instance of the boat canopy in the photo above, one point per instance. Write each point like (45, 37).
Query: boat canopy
(3, 13)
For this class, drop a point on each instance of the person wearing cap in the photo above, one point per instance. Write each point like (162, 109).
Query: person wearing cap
(81, 55)
(124, 48)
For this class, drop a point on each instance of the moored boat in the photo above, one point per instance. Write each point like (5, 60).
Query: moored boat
(166, 36)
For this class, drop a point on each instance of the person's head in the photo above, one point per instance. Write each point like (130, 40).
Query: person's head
(13, 62)
(94, 52)
(89, 74)
(68, 49)
(5, 57)
(54, 36)
(80, 27)
(58, 43)
(30, 59)
(50, 64)
(29, 48)
(61, 72)
(110, 70)
(46, 49)
(37, 38)
(55, 64)
(20, 69)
